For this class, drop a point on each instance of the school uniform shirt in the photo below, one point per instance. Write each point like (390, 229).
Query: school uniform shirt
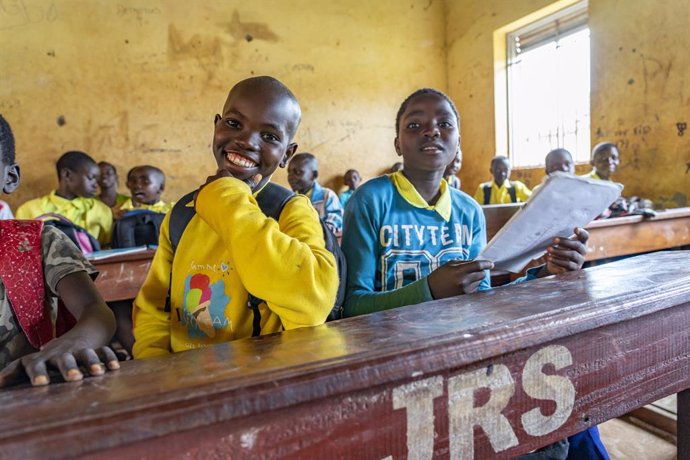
(500, 195)
(592, 175)
(229, 249)
(119, 199)
(393, 239)
(159, 206)
(60, 258)
(90, 213)
(5, 211)
(328, 206)
(343, 197)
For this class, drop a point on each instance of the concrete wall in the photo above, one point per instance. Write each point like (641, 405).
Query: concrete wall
(139, 81)
(640, 88)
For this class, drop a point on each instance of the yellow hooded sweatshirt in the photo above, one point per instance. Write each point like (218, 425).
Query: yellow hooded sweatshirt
(228, 249)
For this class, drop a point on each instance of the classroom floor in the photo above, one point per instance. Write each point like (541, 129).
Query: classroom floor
(626, 441)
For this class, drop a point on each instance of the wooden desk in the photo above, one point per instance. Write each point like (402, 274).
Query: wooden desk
(530, 363)
(120, 277)
(620, 236)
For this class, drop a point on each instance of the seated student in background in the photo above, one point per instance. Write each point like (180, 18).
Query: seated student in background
(410, 238)
(146, 184)
(559, 160)
(452, 169)
(74, 198)
(351, 180)
(5, 211)
(108, 183)
(32, 278)
(303, 172)
(501, 190)
(230, 249)
(605, 161)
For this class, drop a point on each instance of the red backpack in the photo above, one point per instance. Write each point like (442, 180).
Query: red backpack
(21, 271)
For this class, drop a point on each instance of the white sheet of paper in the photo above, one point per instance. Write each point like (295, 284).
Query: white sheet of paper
(562, 203)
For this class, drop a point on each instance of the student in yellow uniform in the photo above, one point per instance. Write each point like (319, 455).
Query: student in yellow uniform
(605, 161)
(230, 249)
(501, 190)
(146, 184)
(75, 198)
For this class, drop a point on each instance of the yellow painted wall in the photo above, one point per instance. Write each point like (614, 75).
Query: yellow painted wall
(140, 81)
(640, 88)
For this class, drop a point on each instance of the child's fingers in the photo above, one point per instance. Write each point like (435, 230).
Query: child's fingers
(36, 371)
(90, 360)
(67, 365)
(567, 264)
(109, 357)
(581, 234)
(254, 180)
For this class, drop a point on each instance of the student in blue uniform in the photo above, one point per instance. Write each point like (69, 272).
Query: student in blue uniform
(409, 237)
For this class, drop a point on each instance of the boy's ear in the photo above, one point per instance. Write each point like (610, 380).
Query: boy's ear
(11, 178)
(216, 119)
(316, 175)
(396, 143)
(289, 152)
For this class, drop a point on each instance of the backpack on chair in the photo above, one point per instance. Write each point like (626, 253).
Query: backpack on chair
(139, 227)
(272, 199)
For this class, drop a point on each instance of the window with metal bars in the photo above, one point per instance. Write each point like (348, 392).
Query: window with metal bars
(549, 87)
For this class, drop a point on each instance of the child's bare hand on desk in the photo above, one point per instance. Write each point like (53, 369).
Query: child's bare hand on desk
(566, 254)
(457, 277)
(67, 356)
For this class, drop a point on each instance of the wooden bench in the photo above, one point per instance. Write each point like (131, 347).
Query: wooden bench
(529, 364)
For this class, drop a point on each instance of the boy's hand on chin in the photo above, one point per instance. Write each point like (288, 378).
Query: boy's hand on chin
(252, 182)
(67, 356)
(566, 254)
(457, 277)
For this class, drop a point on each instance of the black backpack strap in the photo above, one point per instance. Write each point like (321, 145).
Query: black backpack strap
(513, 194)
(271, 200)
(487, 194)
(180, 215)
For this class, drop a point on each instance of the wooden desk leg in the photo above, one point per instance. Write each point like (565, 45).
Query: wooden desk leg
(684, 424)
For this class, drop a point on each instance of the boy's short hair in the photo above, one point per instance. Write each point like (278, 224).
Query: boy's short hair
(276, 85)
(498, 158)
(602, 147)
(421, 92)
(73, 160)
(156, 171)
(6, 142)
(307, 158)
(351, 171)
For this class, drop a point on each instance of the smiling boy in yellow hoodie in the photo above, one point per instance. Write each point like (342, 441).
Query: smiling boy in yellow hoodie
(230, 249)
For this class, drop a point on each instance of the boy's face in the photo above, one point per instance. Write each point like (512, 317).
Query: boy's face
(560, 161)
(301, 175)
(253, 135)
(500, 170)
(9, 174)
(429, 135)
(145, 186)
(606, 162)
(352, 179)
(108, 177)
(83, 181)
